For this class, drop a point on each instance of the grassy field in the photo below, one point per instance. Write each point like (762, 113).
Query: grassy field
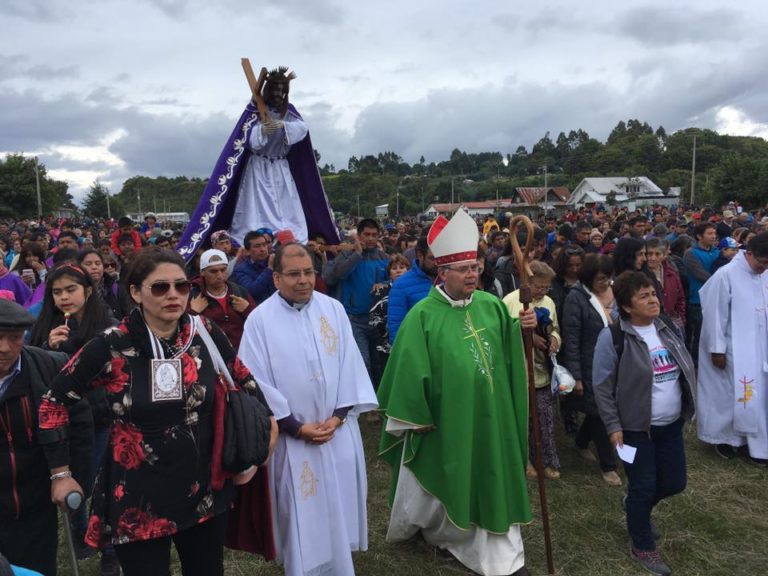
(717, 527)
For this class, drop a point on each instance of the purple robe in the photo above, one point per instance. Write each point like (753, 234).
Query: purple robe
(216, 207)
(16, 285)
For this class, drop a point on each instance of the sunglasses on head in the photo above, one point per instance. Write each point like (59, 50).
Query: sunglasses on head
(159, 289)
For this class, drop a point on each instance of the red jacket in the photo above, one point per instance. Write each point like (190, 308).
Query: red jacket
(116, 234)
(230, 321)
(674, 294)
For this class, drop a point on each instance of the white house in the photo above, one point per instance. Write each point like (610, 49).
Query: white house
(636, 190)
(486, 208)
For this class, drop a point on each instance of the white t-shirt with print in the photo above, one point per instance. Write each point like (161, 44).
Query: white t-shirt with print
(667, 399)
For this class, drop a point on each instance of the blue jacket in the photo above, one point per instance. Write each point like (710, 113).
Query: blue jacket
(698, 265)
(411, 287)
(356, 274)
(256, 277)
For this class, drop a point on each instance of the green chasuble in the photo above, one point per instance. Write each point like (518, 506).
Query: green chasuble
(461, 370)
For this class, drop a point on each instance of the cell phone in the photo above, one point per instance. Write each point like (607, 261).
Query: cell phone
(27, 272)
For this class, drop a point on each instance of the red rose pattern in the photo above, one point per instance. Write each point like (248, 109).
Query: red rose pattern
(188, 370)
(119, 492)
(94, 531)
(118, 379)
(240, 370)
(135, 524)
(52, 415)
(127, 449)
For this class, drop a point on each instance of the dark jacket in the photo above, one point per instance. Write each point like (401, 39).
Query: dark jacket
(673, 294)
(230, 321)
(256, 277)
(506, 274)
(581, 325)
(27, 454)
(624, 387)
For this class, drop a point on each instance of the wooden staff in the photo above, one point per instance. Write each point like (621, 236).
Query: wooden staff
(526, 299)
(256, 86)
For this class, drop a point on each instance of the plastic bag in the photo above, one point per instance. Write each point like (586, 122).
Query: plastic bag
(562, 380)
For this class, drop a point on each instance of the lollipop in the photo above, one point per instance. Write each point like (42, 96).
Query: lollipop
(66, 318)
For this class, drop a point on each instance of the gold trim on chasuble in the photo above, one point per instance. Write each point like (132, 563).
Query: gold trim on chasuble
(328, 336)
(480, 349)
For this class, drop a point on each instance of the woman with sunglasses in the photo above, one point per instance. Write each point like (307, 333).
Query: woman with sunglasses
(153, 487)
(103, 272)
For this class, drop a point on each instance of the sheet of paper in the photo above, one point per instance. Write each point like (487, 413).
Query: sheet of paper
(627, 453)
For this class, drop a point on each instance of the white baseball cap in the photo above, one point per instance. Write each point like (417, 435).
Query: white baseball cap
(213, 257)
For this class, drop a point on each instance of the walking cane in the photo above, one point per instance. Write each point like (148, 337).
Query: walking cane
(525, 300)
(72, 503)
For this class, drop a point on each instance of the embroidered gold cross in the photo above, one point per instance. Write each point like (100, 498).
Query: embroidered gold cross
(474, 334)
(748, 391)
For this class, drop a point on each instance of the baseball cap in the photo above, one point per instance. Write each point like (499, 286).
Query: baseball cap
(727, 213)
(213, 257)
(728, 243)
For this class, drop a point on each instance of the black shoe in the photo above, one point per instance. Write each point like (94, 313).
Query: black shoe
(761, 462)
(521, 572)
(655, 532)
(726, 451)
(109, 564)
(82, 550)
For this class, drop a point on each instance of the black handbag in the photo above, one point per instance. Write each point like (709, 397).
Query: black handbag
(247, 424)
(247, 428)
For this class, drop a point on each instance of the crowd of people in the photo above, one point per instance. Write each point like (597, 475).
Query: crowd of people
(108, 375)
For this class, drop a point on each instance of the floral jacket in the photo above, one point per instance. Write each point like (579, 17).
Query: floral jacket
(154, 479)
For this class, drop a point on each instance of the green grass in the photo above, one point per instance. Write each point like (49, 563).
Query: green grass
(717, 527)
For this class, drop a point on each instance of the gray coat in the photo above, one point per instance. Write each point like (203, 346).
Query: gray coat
(623, 388)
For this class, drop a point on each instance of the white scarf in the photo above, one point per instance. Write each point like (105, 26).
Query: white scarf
(597, 306)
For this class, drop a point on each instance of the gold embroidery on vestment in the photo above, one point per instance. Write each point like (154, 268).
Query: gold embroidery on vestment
(308, 482)
(480, 349)
(328, 336)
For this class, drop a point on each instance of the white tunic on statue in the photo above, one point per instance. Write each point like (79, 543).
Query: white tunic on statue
(308, 364)
(268, 197)
(732, 404)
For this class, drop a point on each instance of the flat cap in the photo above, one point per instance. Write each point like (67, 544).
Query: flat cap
(14, 316)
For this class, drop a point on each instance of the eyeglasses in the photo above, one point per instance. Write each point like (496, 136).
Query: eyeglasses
(465, 269)
(297, 274)
(110, 265)
(159, 289)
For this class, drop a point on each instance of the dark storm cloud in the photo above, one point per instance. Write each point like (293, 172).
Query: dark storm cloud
(656, 26)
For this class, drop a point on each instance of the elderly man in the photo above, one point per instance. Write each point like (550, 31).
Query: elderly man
(216, 298)
(28, 522)
(299, 346)
(733, 355)
(456, 403)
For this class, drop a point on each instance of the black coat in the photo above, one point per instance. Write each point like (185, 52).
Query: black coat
(581, 325)
(26, 460)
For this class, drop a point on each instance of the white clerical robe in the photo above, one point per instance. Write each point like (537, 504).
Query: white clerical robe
(732, 404)
(308, 364)
(268, 197)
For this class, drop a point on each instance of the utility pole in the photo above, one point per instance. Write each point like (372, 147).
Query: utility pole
(451, 192)
(397, 209)
(358, 205)
(154, 197)
(109, 211)
(138, 199)
(545, 188)
(39, 200)
(693, 170)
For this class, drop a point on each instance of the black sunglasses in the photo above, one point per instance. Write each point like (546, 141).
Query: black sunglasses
(159, 289)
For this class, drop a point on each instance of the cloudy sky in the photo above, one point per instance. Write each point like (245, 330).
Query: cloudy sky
(109, 89)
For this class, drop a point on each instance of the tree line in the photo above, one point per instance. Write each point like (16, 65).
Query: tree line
(727, 168)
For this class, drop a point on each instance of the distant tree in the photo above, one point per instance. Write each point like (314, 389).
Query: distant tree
(95, 203)
(18, 188)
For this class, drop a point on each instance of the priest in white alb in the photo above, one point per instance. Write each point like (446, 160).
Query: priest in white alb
(732, 401)
(299, 345)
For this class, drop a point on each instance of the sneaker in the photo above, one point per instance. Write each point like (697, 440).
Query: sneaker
(655, 532)
(586, 454)
(650, 560)
(611, 478)
(551, 473)
(109, 564)
(726, 451)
